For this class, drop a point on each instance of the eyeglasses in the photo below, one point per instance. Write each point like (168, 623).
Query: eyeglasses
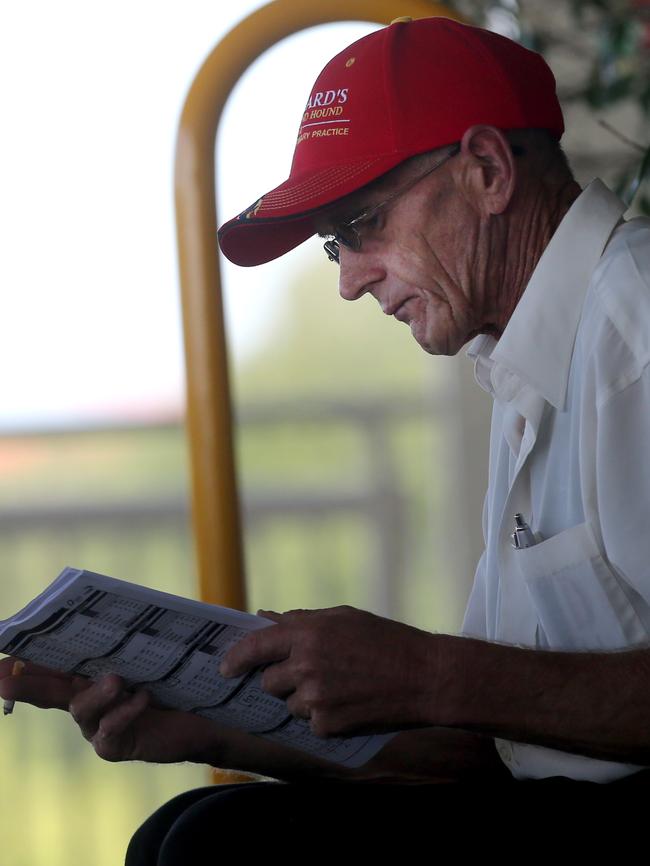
(349, 233)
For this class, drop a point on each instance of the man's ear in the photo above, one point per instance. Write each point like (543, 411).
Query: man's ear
(488, 168)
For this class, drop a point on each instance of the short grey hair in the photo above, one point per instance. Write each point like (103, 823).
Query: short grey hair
(542, 151)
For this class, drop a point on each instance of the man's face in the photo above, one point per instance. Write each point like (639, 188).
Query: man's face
(423, 258)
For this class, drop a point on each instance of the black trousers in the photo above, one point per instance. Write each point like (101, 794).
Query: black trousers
(555, 815)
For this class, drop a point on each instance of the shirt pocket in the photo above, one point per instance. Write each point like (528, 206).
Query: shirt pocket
(580, 601)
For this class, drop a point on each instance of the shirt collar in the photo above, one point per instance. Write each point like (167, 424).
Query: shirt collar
(480, 351)
(537, 345)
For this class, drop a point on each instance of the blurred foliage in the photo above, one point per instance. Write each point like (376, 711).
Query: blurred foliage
(611, 38)
(326, 351)
(323, 346)
(111, 466)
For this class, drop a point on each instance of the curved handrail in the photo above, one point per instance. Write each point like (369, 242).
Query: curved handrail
(215, 500)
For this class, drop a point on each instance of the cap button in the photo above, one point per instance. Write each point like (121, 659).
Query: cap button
(403, 20)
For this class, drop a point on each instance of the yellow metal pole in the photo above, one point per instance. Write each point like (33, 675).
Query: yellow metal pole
(215, 501)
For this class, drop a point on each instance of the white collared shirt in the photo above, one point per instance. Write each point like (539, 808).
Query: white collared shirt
(570, 450)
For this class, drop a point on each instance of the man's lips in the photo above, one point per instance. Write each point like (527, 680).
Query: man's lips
(395, 308)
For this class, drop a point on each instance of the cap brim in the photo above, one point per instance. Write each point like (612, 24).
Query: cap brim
(285, 217)
(255, 242)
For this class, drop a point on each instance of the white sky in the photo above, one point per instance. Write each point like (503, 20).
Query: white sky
(90, 101)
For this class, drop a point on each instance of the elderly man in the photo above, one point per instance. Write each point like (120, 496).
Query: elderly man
(428, 157)
(478, 230)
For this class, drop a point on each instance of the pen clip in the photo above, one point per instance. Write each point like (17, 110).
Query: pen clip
(522, 536)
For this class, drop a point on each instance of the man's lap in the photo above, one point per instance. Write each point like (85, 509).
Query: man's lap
(200, 825)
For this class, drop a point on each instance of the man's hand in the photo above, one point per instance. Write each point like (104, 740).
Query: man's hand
(345, 670)
(124, 726)
(121, 725)
(381, 658)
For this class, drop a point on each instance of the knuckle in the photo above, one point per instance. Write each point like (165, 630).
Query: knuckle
(320, 725)
(79, 684)
(317, 693)
(310, 644)
(297, 612)
(312, 691)
(105, 748)
(248, 646)
(239, 652)
(268, 681)
(347, 611)
(303, 668)
(75, 710)
(111, 684)
(297, 707)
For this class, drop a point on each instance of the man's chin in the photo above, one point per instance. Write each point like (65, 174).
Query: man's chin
(447, 344)
(436, 347)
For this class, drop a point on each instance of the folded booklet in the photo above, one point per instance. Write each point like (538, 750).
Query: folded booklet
(91, 625)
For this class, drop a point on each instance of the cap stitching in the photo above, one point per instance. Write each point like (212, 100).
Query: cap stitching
(388, 97)
(321, 183)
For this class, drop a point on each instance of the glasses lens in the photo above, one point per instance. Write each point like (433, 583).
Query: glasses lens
(332, 250)
(344, 234)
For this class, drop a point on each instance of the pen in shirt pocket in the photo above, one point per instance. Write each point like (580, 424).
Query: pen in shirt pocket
(523, 535)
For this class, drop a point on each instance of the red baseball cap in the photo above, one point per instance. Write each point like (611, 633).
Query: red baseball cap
(405, 89)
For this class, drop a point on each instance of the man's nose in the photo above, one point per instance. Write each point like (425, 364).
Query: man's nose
(358, 274)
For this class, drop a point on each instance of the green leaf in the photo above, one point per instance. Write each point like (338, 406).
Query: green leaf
(578, 8)
(621, 36)
(602, 92)
(642, 174)
(644, 99)
(603, 5)
(529, 39)
(622, 184)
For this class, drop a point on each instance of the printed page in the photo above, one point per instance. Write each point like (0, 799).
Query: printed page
(90, 624)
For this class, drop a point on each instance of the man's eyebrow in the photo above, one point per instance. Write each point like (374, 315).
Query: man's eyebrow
(327, 226)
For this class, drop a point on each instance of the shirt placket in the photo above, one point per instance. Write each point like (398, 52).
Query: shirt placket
(517, 620)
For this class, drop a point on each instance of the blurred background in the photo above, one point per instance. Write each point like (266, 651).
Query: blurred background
(361, 459)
